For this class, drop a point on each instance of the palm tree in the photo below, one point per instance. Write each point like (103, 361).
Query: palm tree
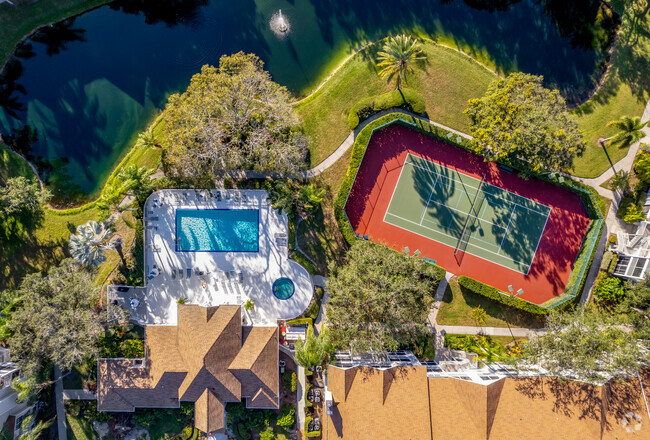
(629, 131)
(87, 246)
(314, 350)
(147, 139)
(136, 181)
(397, 57)
(310, 197)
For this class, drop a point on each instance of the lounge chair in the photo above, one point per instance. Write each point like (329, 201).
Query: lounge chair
(180, 274)
(173, 274)
(189, 273)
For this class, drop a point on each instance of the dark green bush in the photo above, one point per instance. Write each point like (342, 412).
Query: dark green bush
(609, 289)
(294, 382)
(407, 99)
(624, 205)
(287, 416)
(612, 265)
(495, 294)
(300, 258)
(606, 261)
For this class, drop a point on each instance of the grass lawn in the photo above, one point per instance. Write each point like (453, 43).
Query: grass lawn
(447, 81)
(12, 165)
(320, 238)
(625, 92)
(457, 305)
(79, 429)
(125, 228)
(24, 16)
(592, 118)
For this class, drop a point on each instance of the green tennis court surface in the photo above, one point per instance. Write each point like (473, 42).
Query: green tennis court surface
(434, 201)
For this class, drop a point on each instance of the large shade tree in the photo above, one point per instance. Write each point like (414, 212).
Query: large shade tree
(377, 297)
(19, 195)
(230, 118)
(57, 320)
(397, 58)
(314, 350)
(585, 344)
(524, 124)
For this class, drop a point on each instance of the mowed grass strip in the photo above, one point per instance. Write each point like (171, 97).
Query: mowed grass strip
(458, 304)
(447, 80)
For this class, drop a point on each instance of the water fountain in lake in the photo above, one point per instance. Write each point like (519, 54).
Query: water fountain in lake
(279, 24)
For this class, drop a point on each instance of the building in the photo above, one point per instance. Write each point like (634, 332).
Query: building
(12, 413)
(633, 252)
(407, 402)
(208, 358)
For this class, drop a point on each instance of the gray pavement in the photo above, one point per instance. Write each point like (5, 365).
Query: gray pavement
(58, 400)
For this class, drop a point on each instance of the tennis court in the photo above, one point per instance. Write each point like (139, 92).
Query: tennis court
(461, 211)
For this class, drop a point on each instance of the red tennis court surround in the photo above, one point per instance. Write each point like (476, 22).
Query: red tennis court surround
(378, 175)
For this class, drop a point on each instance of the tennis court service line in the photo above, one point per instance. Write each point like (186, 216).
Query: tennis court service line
(447, 235)
(509, 202)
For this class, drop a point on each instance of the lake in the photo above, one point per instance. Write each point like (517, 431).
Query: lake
(88, 85)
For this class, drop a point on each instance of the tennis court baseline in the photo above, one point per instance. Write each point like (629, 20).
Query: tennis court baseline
(470, 215)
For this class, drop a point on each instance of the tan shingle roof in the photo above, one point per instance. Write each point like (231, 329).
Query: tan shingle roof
(531, 408)
(208, 358)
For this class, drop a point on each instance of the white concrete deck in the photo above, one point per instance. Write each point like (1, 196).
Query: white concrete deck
(210, 283)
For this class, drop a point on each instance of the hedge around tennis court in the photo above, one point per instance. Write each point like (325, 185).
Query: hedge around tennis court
(359, 149)
(495, 294)
(407, 99)
(593, 203)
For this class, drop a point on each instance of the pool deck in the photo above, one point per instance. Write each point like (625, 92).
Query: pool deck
(217, 278)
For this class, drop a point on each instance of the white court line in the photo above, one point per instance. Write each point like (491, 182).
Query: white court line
(510, 202)
(429, 199)
(394, 188)
(466, 213)
(512, 213)
(539, 240)
(446, 235)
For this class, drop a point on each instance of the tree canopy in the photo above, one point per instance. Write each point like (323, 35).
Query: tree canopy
(397, 58)
(377, 296)
(313, 350)
(19, 195)
(586, 345)
(521, 123)
(230, 118)
(57, 320)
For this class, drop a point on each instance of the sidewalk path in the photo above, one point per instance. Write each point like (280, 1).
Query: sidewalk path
(58, 400)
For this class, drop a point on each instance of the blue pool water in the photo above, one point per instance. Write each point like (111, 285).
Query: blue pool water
(283, 288)
(217, 230)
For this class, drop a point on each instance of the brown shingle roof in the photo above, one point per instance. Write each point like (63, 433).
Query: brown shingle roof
(379, 403)
(526, 408)
(208, 358)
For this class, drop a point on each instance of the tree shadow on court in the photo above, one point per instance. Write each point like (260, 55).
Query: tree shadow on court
(435, 189)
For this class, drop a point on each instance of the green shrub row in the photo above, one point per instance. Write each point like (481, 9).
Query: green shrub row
(595, 207)
(495, 294)
(407, 99)
(359, 148)
(301, 259)
(301, 321)
(606, 261)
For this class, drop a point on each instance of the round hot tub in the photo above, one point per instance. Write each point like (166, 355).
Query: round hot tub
(283, 288)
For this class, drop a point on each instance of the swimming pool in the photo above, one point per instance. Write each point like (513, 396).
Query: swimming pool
(217, 230)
